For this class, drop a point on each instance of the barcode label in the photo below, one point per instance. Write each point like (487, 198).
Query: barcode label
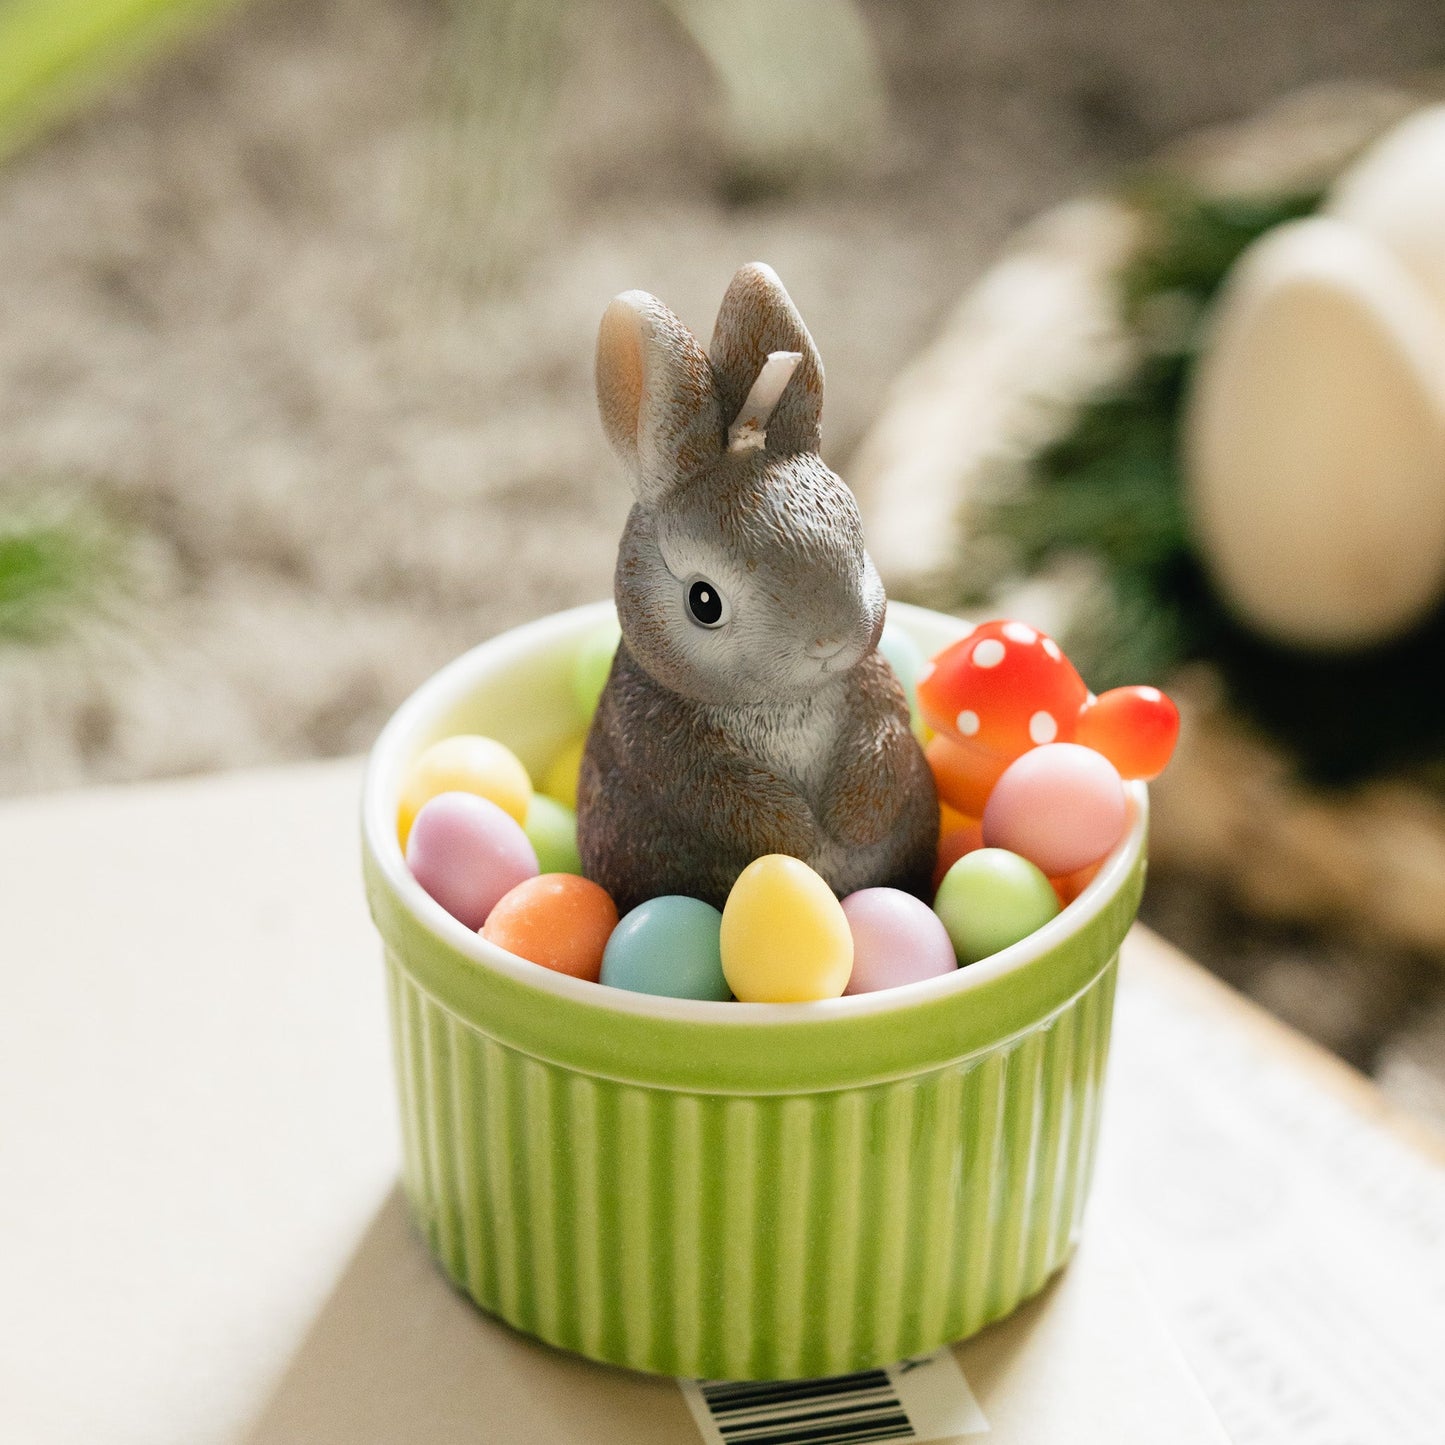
(920, 1399)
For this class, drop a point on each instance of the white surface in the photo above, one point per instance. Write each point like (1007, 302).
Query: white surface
(196, 1124)
(201, 1242)
(200, 1237)
(1297, 1248)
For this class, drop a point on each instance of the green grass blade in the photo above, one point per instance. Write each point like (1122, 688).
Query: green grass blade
(55, 54)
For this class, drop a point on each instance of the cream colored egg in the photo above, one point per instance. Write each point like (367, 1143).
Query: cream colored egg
(1314, 440)
(1395, 192)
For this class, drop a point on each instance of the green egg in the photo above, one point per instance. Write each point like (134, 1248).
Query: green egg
(906, 659)
(992, 898)
(551, 828)
(670, 946)
(592, 664)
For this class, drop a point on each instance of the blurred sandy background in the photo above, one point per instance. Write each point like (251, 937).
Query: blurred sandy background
(272, 306)
(257, 303)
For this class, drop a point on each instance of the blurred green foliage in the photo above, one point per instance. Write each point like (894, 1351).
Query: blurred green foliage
(58, 569)
(55, 54)
(1111, 490)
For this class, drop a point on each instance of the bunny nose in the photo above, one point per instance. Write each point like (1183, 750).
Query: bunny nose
(826, 647)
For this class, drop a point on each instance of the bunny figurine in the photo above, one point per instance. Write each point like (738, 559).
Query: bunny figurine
(747, 710)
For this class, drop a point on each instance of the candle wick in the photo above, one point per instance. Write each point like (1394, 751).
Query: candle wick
(749, 431)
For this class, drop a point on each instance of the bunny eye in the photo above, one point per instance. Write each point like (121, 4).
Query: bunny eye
(707, 605)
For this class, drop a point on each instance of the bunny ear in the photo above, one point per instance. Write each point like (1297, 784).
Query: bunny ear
(656, 394)
(757, 318)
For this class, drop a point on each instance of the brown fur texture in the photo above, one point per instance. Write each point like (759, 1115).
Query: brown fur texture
(777, 728)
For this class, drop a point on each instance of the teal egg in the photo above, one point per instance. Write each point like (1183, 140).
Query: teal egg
(592, 664)
(906, 659)
(668, 946)
(551, 828)
(991, 899)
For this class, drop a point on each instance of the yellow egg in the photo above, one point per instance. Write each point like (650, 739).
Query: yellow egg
(464, 764)
(785, 937)
(560, 781)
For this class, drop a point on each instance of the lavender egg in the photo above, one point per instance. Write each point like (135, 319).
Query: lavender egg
(897, 939)
(467, 852)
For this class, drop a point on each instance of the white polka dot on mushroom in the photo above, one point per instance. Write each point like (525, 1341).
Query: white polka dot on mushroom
(1052, 648)
(1043, 727)
(968, 723)
(924, 673)
(1150, 694)
(1020, 632)
(989, 653)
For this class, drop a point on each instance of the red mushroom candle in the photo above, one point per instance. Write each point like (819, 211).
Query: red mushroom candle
(1134, 727)
(990, 697)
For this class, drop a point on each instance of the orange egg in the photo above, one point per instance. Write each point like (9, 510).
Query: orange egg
(967, 836)
(1134, 727)
(1071, 885)
(963, 774)
(557, 920)
(950, 818)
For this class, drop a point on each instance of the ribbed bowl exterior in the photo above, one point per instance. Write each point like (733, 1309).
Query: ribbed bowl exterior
(732, 1190)
(748, 1236)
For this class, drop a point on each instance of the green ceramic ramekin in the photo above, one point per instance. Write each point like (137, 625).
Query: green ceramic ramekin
(732, 1190)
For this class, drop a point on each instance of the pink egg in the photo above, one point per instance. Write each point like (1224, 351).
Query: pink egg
(1061, 806)
(896, 939)
(467, 852)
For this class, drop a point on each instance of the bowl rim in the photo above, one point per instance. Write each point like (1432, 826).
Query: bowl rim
(451, 684)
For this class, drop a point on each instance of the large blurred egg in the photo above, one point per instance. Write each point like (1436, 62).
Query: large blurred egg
(1395, 192)
(785, 937)
(1315, 440)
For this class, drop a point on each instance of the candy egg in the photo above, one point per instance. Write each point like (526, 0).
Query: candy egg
(560, 781)
(552, 830)
(950, 818)
(990, 899)
(897, 939)
(1315, 440)
(954, 844)
(1071, 885)
(1134, 727)
(785, 937)
(464, 764)
(592, 664)
(557, 920)
(906, 659)
(1061, 806)
(670, 946)
(467, 853)
(964, 776)
(997, 692)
